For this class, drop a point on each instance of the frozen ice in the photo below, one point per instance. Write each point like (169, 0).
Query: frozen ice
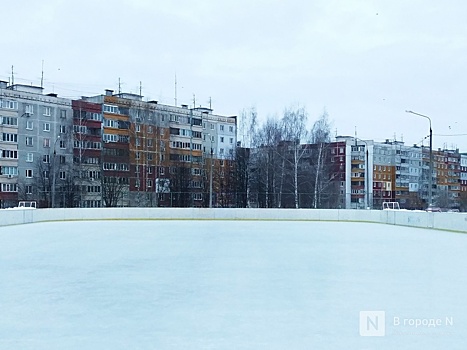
(228, 285)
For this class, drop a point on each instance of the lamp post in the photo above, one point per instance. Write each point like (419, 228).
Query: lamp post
(54, 173)
(210, 179)
(430, 179)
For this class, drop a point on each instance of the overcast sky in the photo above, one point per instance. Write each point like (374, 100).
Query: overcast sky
(364, 62)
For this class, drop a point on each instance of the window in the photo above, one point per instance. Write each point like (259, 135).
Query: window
(9, 170)
(62, 129)
(62, 159)
(46, 158)
(9, 188)
(221, 127)
(230, 128)
(221, 151)
(11, 154)
(29, 173)
(149, 183)
(137, 155)
(45, 174)
(28, 189)
(222, 139)
(150, 143)
(9, 137)
(13, 121)
(9, 104)
(110, 109)
(138, 128)
(29, 157)
(95, 116)
(110, 138)
(46, 142)
(29, 141)
(212, 126)
(29, 125)
(47, 111)
(231, 140)
(46, 126)
(29, 109)
(62, 144)
(138, 142)
(63, 113)
(149, 156)
(150, 129)
(62, 175)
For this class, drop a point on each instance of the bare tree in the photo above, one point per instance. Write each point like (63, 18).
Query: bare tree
(113, 189)
(320, 138)
(294, 129)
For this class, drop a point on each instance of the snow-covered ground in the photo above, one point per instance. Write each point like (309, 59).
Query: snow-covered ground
(229, 285)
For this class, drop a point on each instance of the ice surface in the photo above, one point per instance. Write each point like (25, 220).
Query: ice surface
(228, 285)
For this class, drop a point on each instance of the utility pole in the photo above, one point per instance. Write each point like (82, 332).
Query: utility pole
(42, 75)
(430, 179)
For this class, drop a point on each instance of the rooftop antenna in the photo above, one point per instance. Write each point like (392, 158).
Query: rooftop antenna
(175, 99)
(140, 88)
(119, 86)
(12, 76)
(194, 101)
(42, 75)
(402, 137)
(210, 102)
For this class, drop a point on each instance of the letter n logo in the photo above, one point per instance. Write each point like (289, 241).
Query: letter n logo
(372, 324)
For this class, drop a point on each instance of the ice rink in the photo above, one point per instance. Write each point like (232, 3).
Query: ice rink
(230, 285)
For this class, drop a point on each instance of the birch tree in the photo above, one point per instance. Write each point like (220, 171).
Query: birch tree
(294, 130)
(320, 137)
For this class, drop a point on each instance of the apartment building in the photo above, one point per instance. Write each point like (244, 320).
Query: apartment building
(87, 153)
(35, 146)
(108, 150)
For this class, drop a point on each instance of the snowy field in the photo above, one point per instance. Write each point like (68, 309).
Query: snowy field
(230, 285)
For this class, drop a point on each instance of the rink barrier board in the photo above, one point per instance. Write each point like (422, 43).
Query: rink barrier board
(456, 222)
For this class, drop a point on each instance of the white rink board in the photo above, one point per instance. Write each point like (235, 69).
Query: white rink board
(228, 285)
(443, 221)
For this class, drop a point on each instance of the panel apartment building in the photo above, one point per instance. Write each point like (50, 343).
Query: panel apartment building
(107, 150)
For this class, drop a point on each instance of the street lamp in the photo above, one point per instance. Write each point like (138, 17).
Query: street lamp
(54, 173)
(430, 179)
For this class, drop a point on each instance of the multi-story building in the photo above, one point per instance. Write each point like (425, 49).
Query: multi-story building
(36, 138)
(154, 154)
(87, 153)
(109, 150)
(447, 168)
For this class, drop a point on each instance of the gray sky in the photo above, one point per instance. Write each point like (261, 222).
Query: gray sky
(364, 62)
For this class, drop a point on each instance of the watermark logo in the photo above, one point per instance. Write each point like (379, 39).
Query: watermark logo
(372, 323)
